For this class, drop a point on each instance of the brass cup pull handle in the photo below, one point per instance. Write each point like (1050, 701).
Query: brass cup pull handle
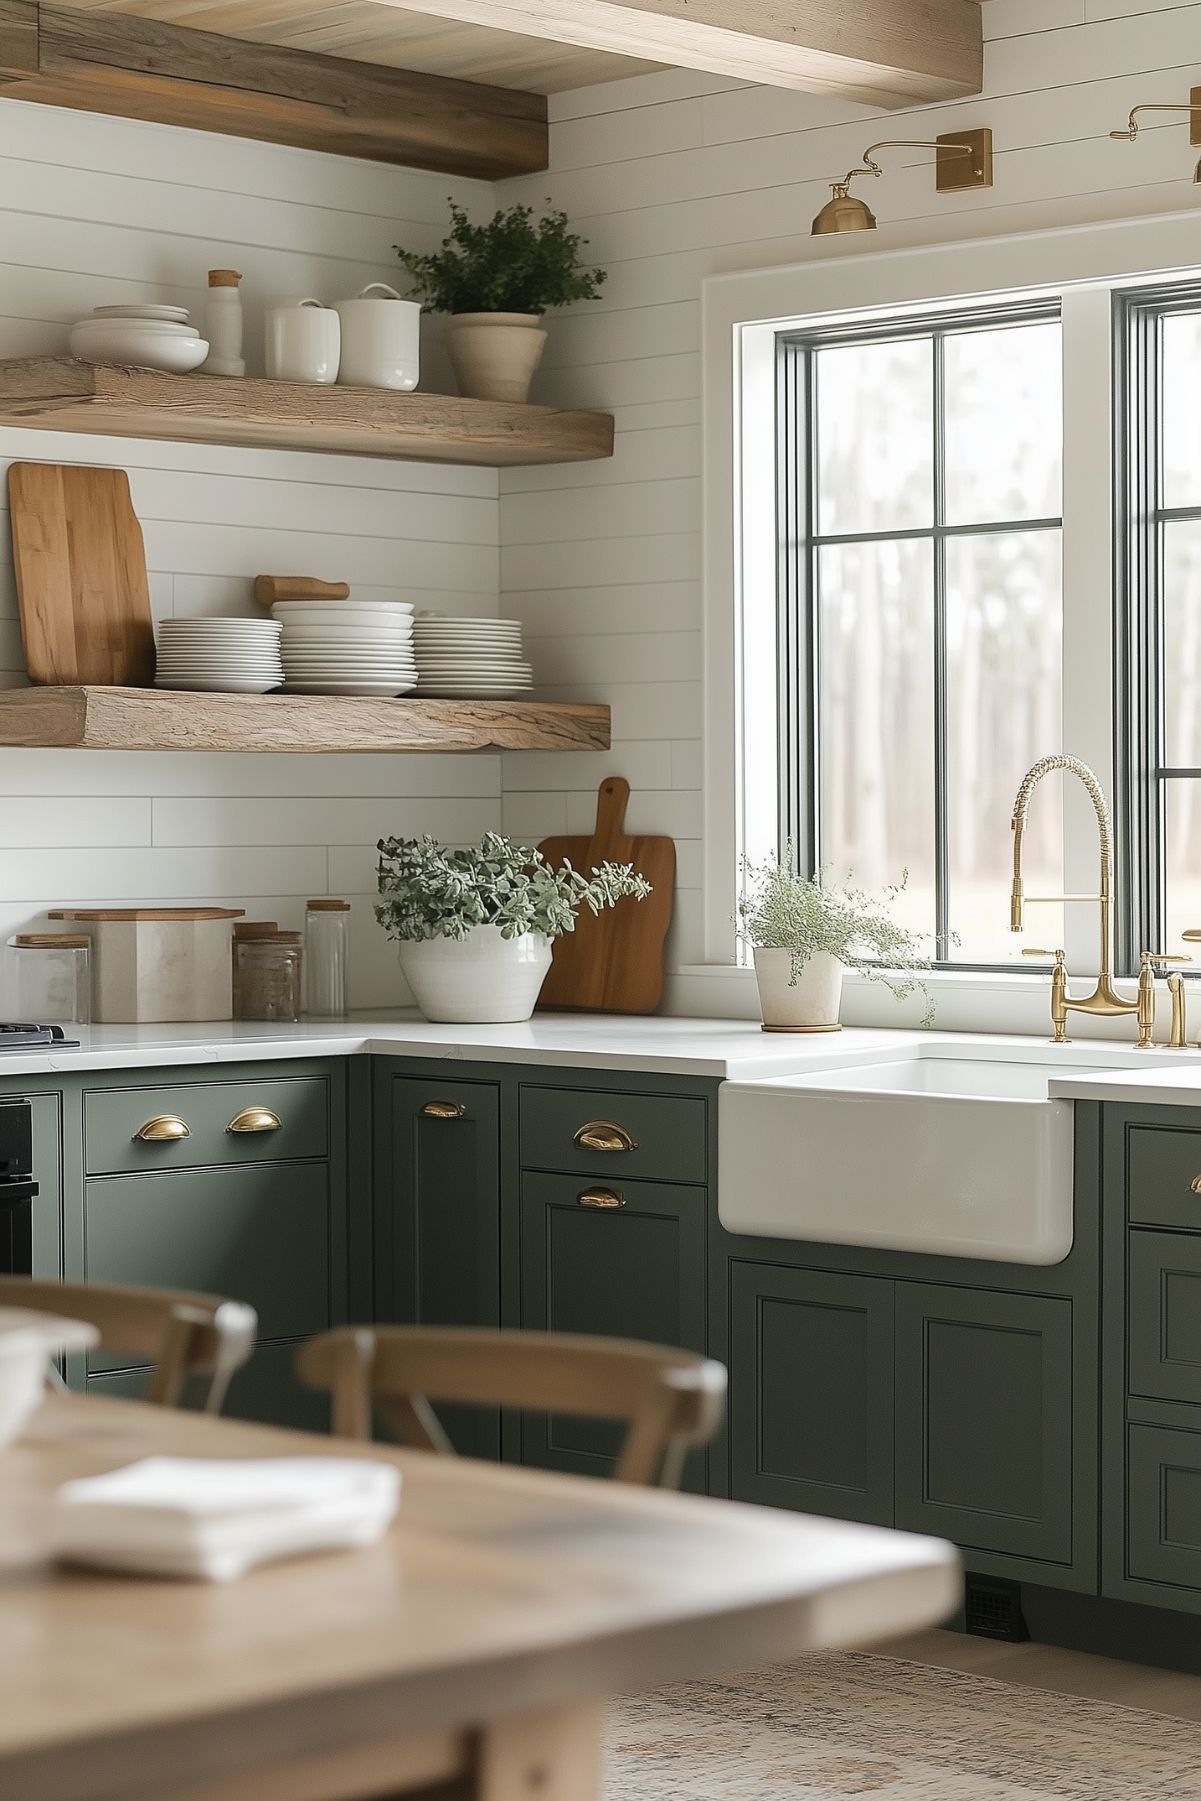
(255, 1119)
(1195, 1184)
(600, 1197)
(604, 1135)
(443, 1110)
(164, 1128)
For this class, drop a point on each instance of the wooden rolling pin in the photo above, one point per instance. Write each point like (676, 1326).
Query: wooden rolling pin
(270, 588)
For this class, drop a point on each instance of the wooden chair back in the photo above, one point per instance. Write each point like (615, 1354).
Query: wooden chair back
(182, 1336)
(672, 1400)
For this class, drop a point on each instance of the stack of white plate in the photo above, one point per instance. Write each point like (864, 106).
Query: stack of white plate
(471, 659)
(148, 336)
(347, 646)
(226, 656)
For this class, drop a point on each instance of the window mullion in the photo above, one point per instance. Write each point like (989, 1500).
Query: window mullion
(942, 928)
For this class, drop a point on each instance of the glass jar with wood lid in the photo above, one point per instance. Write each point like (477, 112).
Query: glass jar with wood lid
(52, 978)
(326, 935)
(267, 977)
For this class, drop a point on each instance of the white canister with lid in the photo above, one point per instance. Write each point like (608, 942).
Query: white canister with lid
(381, 339)
(303, 341)
(151, 965)
(223, 324)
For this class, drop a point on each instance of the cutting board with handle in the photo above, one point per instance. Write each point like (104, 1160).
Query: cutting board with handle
(81, 576)
(270, 588)
(613, 963)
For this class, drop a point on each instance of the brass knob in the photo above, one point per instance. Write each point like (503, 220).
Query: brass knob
(603, 1135)
(443, 1110)
(255, 1119)
(164, 1128)
(600, 1197)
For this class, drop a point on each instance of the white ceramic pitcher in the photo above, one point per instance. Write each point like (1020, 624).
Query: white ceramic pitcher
(381, 339)
(303, 341)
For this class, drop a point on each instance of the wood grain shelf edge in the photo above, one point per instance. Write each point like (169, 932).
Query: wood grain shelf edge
(156, 719)
(64, 394)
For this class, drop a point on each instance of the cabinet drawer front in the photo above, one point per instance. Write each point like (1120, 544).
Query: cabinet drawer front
(632, 1270)
(265, 1389)
(660, 1137)
(113, 1117)
(811, 1376)
(259, 1235)
(1162, 1163)
(984, 1420)
(1163, 1477)
(1164, 1310)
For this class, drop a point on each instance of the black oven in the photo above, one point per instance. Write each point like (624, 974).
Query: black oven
(17, 1188)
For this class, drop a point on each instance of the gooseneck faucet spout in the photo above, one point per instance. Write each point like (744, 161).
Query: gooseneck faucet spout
(1104, 999)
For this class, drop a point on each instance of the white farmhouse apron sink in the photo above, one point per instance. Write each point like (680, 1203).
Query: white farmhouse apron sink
(955, 1150)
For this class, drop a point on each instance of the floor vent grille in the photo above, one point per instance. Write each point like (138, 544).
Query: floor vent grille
(993, 1609)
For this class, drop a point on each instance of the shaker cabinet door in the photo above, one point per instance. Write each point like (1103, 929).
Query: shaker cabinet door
(984, 1419)
(811, 1378)
(437, 1216)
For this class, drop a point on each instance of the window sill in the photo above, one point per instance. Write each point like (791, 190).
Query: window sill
(965, 1001)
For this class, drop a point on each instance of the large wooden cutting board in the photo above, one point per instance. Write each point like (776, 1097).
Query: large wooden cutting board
(614, 963)
(81, 577)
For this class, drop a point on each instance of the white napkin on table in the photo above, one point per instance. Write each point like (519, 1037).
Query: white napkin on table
(216, 1518)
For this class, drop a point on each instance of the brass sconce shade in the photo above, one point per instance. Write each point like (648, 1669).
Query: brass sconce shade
(964, 160)
(1192, 107)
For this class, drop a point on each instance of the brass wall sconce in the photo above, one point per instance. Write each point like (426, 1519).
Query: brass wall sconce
(964, 160)
(1192, 107)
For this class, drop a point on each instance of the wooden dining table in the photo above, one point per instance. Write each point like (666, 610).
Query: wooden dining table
(468, 1655)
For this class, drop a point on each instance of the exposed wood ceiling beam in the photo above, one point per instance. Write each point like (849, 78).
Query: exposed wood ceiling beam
(141, 69)
(881, 52)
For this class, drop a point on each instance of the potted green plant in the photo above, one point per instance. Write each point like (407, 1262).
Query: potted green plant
(496, 281)
(805, 933)
(476, 926)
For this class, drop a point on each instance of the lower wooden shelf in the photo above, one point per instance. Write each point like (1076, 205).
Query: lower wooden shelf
(157, 719)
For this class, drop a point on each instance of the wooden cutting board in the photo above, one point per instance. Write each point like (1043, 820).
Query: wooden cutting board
(81, 576)
(614, 963)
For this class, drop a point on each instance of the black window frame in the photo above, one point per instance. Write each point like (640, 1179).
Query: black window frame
(1139, 518)
(799, 544)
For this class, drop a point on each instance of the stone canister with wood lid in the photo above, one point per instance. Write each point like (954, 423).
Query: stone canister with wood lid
(154, 965)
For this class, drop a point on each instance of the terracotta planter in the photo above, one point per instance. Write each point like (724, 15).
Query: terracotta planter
(482, 979)
(810, 1003)
(494, 355)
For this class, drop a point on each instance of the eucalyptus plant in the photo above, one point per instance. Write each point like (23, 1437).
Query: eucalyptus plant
(782, 910)
(508, 265)
(429, 891)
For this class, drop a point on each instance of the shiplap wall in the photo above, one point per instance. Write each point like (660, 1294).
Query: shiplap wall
(98, 210)
(680, 176)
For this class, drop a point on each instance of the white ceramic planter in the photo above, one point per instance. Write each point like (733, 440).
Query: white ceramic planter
(483, 979)
(494, 355)
(811, 1003)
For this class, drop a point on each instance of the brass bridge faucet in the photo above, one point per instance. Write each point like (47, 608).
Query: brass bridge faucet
(1104, 1001)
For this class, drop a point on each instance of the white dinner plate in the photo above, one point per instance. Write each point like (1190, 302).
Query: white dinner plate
(228, 684)
(150, 310)
(380, 690)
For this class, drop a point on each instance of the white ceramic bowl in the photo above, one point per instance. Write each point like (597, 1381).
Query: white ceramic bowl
(163, 328)
(28, 1341)
(177, 315)
(130, 344)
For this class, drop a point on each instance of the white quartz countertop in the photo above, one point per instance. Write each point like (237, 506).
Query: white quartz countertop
(726, 1049)
(667, 1046)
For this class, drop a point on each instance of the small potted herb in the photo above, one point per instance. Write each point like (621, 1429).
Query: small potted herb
(496, 281)
(476, 926)
(807, 932)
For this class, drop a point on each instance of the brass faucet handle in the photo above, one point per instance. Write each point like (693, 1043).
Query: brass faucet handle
(1165, 956)
(1058, 955)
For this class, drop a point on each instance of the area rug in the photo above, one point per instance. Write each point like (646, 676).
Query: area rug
(848, 1724)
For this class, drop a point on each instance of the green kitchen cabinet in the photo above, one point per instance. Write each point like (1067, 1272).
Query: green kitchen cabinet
(984, 1429)
(260, 1215)
(811, 1402)
(1151, 1346)
(437, 1217)
(615, 1258)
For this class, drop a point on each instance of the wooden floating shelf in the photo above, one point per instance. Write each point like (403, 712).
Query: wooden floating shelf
(64, 394)
(157, 719)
